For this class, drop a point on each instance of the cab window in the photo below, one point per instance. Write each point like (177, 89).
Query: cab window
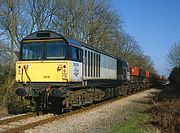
(76, 53)
(31, 51)
(55, 51)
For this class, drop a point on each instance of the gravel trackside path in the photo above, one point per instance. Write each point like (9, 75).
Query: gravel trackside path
(99, 119)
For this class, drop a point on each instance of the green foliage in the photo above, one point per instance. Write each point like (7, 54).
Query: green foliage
(174, 77)
(134, 125)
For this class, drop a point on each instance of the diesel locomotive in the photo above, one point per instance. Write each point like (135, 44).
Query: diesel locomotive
(57, 73)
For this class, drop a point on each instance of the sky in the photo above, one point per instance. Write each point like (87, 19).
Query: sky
(155, 24)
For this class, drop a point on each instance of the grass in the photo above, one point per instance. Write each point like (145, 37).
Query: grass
(137, 124)
(162, 116)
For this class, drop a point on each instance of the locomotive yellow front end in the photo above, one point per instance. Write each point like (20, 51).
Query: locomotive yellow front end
(42, 71)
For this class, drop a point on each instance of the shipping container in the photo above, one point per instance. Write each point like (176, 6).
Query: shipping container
(147, 74)
(134, 71)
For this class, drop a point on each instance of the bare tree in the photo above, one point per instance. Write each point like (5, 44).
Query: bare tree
(129, 47)
(4, 62)
(9, 15)
(70, 18)
(40, 13)
(90, 21)
(174, 55)
(35, 15)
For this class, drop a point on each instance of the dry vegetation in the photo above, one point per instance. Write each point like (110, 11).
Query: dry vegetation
(166, 110)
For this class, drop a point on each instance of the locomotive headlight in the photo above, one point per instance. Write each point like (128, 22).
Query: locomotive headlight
(64, 73)
(19, 67)
(64, 68)
(65, 76)
(19, 70)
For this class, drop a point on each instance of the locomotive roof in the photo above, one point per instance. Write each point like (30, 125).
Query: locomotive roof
(72, 41)
(47, 34)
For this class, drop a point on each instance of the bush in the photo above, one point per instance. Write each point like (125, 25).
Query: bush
(16, 105)
(174, 77)
(10, 103)
(166, 115)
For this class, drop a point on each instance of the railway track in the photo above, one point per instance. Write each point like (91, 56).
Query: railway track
(16, 118)
(21, 122)
(6, 127)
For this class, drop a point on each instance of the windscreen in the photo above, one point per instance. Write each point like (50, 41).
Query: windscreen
(31, 51)
(55, 51)
(43, 51)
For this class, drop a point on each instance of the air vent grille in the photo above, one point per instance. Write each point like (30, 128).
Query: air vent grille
(43, 34)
